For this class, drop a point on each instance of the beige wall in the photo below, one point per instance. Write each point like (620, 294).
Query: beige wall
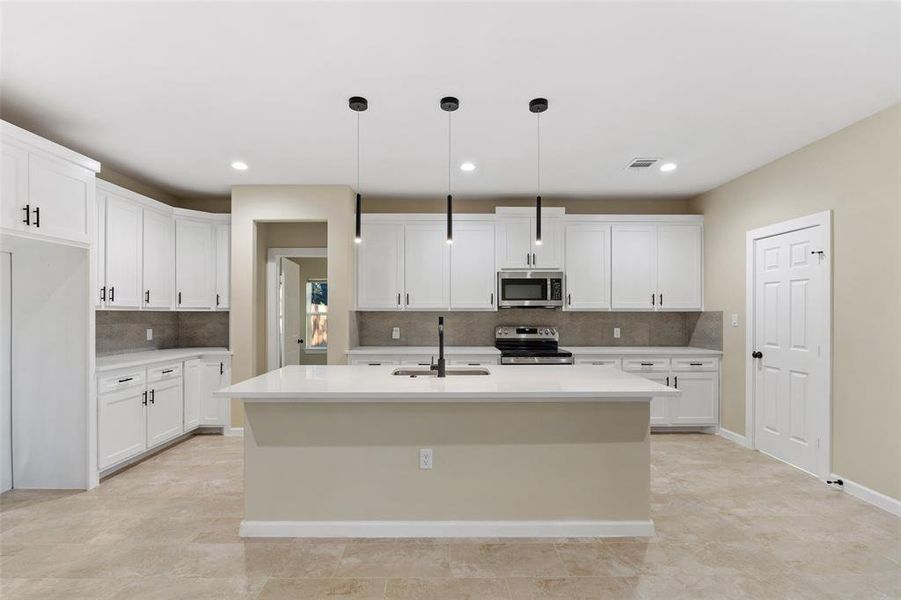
(463, 204)
(259, 217)
(854, 173)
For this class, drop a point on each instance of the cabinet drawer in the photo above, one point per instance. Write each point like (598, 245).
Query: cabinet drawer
(695, 364)
(375, 362)
(600, 362)
(170, 371)
(121, 381)
(643, 365)
(473, 361)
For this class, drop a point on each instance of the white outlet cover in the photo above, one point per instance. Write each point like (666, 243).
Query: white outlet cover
(616, 332)
(395, 333)
(149, 334)
(735, 319)
(425, 458)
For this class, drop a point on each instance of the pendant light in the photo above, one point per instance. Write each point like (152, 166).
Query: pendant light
(538, 106)
(449, 104)
(358, 104)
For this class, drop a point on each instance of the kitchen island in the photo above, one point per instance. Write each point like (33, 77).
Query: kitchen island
(337, 451)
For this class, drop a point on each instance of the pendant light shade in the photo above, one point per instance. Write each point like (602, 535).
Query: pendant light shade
(538, 106)
(449, 104)
(358, 104)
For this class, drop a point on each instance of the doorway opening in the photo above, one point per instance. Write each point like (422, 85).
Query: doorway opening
(297, 290)
(789, 330)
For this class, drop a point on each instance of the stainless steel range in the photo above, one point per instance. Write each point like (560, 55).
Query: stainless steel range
(527, 345)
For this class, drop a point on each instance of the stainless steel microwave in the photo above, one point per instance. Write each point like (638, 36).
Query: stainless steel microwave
(542, 289)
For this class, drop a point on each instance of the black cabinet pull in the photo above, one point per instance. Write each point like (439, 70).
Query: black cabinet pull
(126, 379)
(676, 379)
(398, 298)
(112, 294)
(147, 297)
(151, 396)
(221, 368)
(144, 401)
(534, 260)
(408, 298)
(103, 294)
(661, 299)
(167, 371)
(37, 216)
(653, 302)
(27, 219)
(667, 381)
(179, 297)
(374, 364)
(647, 364)
(217, 299)
(492, 298)
(569, 299)
(696, 364)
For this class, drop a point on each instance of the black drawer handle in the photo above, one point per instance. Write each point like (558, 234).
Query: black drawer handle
(37, 216)
(112, 294)
(126, 379)
(647, 364)
(696, 364)
(147, 297)
(27, 219)
(375, 364)
(151, 396)
(167, 371)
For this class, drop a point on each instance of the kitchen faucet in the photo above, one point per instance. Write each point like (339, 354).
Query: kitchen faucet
(441, 367)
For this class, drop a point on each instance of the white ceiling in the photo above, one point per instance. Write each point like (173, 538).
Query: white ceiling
(173, 93)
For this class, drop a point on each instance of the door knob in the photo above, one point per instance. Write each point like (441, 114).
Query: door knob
(300, 341)
(757, 354)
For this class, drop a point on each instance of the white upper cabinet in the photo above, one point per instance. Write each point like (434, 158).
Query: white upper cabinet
(516, 239)
(223, 265)
(679, 275)
(426, 266)
(634, 272)
(587, 266)
(473, 278)
(47, 190)
(380, 266)
(194, 264)
(123, 252)
(98, 253)
(514, 242)
(159, 259)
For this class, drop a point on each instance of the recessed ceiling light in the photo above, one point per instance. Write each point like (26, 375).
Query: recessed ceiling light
(467, 166)
(239, 165)
(667, 167)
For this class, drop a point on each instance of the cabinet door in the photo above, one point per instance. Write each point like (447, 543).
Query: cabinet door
(380, 266)
(634, 271)
(223, 265)
(165, 412)
(194, 391)
(679, 284)
(473, 278)
(660, 415)
(587, 266)
(426, 266)
(99, 254)
(194, 264)
(123, 253)
(64, 193)
(699, 402)
(514, 242)
(159, 262)
(212, 409)
(549, 253)
(121, 426)
(14, 187)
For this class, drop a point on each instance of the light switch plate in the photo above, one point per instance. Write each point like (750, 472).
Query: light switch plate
(395, 333)
(735, 319)
(616, 332)
(149, 334)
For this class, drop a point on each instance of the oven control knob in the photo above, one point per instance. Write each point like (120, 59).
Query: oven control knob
(545, 332)
(553, 332)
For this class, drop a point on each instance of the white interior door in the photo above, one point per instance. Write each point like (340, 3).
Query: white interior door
(291, 312)
(6, 430)
(426, 266)
(679, 267)
(473, 278)
(789, 330)
(634, 271)
(588, 266)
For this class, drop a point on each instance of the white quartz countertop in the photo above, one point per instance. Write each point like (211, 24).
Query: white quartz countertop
(112, 362)
(642, 350)
(408, 350)
(363, 383)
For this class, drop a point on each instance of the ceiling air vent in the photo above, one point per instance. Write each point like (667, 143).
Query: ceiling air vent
(642, 163)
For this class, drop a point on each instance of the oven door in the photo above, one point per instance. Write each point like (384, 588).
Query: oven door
(527, 288)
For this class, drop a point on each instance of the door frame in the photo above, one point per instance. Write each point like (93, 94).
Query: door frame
(824, 220)
(273, 256)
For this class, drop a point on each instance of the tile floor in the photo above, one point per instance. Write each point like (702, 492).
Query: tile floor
(731, 524)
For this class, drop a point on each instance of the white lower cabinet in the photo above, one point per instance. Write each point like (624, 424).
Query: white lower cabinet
(215, 375)
(193, 392)
(699, 400)
(122, 425)
(697, 379)
(164, 412)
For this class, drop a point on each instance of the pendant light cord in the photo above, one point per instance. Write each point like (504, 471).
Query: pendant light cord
(358, 152)
(538, 138)
(449, 134)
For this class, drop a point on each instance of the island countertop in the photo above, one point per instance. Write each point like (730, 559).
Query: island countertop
(363, 383)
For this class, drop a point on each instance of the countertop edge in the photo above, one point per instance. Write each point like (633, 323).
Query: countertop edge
(135, 360)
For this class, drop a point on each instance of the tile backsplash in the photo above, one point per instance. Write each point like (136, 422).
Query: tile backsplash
(700, 329)
(126, 331)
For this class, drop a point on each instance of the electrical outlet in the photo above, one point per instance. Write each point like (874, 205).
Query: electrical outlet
(395, 333)
(735, 319)
(149, 334)
(425, 458)
(616, 332)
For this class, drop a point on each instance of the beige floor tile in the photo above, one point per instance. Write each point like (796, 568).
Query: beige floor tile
(71, 589)
(447, 589)
(319, 589)
(505, 560)
(565, 588)
(394, 560)
(191, 588)
(598, 560)
(306, 559)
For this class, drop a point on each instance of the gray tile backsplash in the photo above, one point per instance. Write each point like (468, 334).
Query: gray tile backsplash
(126, 331)
(704, 330)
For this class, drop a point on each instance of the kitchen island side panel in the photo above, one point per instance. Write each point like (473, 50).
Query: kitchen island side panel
(492, 461)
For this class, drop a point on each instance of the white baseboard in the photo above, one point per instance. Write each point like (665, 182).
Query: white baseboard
(870, 496)
(236, 431)
(733, 437)
(445, 529)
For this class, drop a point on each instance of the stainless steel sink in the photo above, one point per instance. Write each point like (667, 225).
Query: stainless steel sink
(431, 373)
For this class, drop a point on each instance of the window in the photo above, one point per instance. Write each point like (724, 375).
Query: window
(317, 315)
